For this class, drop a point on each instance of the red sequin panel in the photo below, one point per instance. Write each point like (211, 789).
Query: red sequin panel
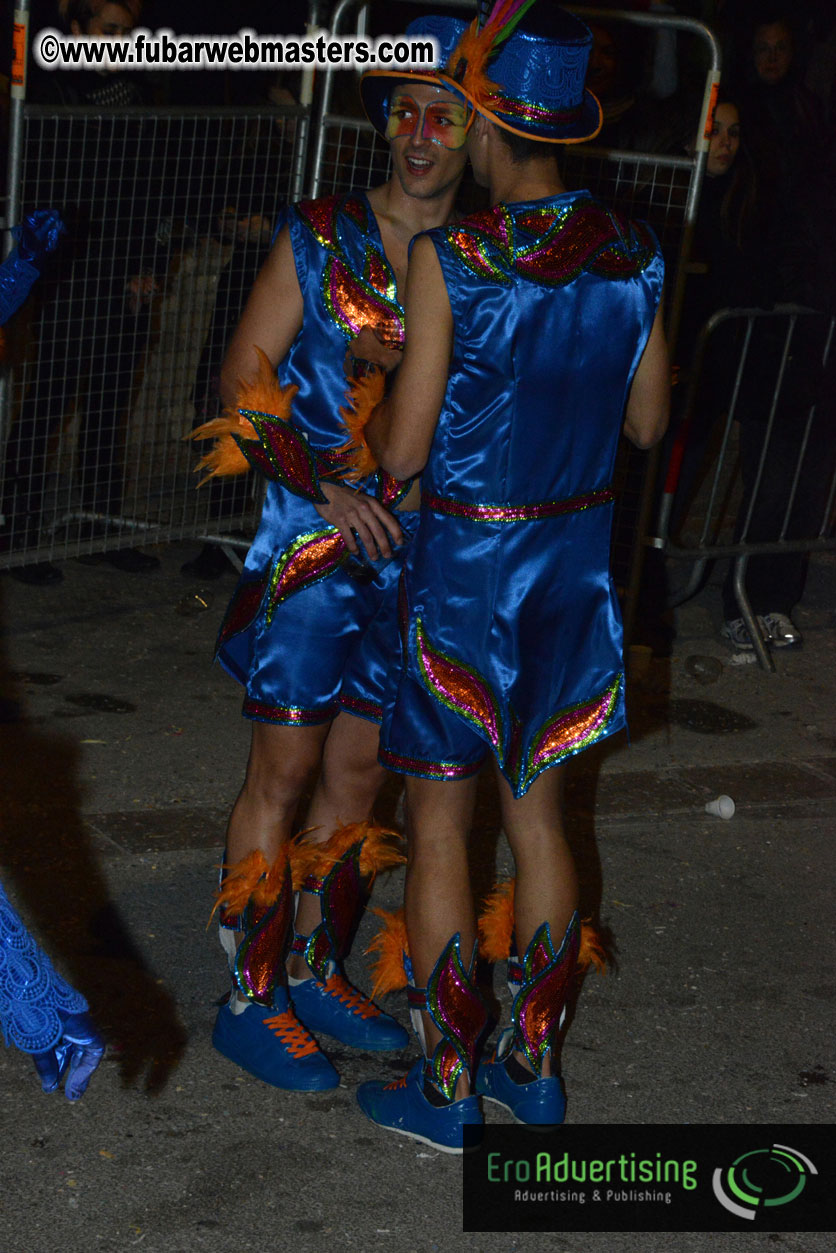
(354, 303)
(540, 1001)
(320, 216)
(308, 559)
(242, 610)
(260, 956)
(340, 899)
(459, 1012)
(282, 455)
(461, 688)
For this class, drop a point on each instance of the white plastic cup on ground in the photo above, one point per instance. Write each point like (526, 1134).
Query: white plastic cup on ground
(722, 807)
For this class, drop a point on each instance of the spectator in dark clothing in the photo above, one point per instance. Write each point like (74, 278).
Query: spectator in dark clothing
(95, 320)
(785, 120)
(804, 270)
(250, 234)
(722, 273)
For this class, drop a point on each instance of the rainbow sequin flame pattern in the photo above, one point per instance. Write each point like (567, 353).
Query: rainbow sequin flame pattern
(551, 246)
(339, 895)
(260, 955)
(546, 976)
(459, 1012)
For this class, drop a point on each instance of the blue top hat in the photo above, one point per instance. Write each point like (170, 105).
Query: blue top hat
(540, 72)
(376, 85)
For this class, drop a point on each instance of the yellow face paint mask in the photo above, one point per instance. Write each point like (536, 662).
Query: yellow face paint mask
(442, 122)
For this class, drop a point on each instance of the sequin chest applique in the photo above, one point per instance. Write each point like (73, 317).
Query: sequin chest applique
(551, 245)
(358, 285)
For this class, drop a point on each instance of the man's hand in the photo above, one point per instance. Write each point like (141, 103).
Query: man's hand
(359, 517)
(368, 346)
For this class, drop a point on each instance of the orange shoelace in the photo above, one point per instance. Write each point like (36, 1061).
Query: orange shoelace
(359, 1004)
(396, 1083)
(300, 1043)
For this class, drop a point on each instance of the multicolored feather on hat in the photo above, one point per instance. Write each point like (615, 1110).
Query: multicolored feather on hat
(468, 64)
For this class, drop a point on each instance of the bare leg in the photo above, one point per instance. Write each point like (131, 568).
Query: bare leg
(438, 898)
(348, 784)
(281, 763)
(547, 886)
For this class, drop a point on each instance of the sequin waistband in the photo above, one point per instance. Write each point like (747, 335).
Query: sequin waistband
(516, 513)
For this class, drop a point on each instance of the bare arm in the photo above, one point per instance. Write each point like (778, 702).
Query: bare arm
(271, 320)
(402, 427)
(648, 405)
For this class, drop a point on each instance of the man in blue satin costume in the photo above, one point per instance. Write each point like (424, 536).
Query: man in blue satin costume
(40, 1013)
(534, 336)
(326, 556)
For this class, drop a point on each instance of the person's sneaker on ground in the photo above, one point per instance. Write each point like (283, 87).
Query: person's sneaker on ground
(210, 563)
(737, 633)
(41, 574)
(783, 633)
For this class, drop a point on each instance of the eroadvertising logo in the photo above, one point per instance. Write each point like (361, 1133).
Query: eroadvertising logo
(762, 1177)
(650, 1178)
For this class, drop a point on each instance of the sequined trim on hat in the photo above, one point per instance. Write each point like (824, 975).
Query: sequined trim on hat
(516, 513)
(288, 715)
(537, 114)
(437, 770)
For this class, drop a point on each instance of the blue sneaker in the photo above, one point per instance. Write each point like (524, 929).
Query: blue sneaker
(540, 1102)
(401, 1106)
(337, 1009)
(273, 1045)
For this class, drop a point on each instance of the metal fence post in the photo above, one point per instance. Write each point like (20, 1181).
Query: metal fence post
(13, 170)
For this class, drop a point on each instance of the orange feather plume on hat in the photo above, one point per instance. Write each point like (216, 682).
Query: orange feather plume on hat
(390, 943)
(378, 852)
(468, 63)
(262, 394)
(363, 396)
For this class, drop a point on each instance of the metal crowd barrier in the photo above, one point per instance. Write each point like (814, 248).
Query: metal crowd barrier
(109, 359)
(661, 188)
(169, 215)
(752, 467)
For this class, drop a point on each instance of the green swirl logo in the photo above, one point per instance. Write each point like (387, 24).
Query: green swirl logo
(761, 1179)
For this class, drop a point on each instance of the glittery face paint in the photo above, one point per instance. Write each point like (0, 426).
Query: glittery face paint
(442, 122)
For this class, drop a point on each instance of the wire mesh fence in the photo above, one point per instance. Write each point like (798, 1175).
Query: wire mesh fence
(169, 215)
(117, 353)
(752, 468)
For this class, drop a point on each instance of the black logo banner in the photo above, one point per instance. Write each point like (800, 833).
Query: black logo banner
(650, 1178)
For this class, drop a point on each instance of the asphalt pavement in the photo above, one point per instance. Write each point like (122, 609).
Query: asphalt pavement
(122, 749)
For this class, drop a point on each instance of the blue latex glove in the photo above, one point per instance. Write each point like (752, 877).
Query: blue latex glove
(38, 235)
(77, 1054)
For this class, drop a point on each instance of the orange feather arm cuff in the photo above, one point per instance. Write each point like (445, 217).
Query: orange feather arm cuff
(364, 395)
(258, 434)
